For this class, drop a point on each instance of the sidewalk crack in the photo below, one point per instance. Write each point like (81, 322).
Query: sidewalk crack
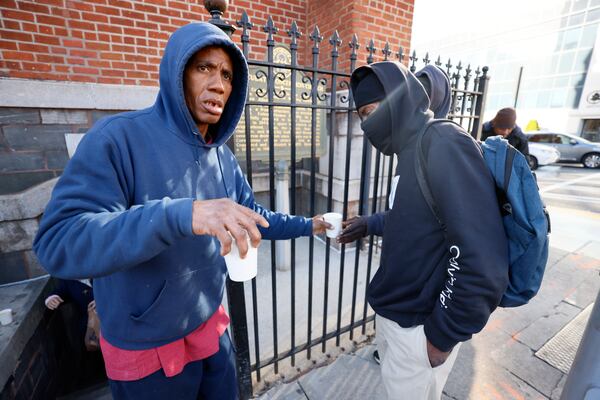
(451, 397)
(303, 391)
(527, 383)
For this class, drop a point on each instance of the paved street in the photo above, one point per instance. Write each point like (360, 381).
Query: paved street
(572, 195)
(570, 186)
(501, 361)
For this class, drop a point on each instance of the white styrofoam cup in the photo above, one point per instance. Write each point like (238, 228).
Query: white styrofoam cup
(334, 219)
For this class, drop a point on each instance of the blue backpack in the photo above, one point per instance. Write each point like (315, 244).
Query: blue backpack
(525, 218)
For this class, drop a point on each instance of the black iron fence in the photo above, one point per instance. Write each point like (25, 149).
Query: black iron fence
(305, 114)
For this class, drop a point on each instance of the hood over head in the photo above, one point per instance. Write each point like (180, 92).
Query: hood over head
(440, 94)
(182, 45)
(369, 90)
(401, 114)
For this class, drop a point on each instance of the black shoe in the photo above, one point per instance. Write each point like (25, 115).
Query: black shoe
(376, 357)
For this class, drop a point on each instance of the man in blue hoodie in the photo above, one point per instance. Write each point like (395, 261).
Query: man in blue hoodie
(436, 285)
(148, 206)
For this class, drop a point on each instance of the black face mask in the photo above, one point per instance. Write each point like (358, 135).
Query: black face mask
(378, 129)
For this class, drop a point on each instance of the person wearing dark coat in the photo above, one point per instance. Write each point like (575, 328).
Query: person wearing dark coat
(505, 125)
(436, 286)
(78, 292)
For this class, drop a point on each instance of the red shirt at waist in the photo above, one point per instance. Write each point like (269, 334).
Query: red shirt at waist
(132, 365)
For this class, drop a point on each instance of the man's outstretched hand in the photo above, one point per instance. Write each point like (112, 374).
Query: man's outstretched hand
(353, 229)
(224, 219)
(319, 225)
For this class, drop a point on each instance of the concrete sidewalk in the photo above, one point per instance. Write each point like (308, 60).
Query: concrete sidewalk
(498, 363)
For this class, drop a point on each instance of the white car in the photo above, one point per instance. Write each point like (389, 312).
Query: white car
(542, 154)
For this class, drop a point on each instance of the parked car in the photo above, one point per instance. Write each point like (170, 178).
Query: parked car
(572, 149)
(541, 154)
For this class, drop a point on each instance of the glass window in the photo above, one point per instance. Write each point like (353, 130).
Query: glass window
(535, 84)
(576, 19)
(591, 125)
(534, 138)
(594, 3)
(564, 21)
(562, 139)
(573, 96)
(543, 99)
(591, 130)
(577, 80)
(508, 99)
(551, 65)
(593, 15)
(561, 81)
(567, 7)
(491, 102)
(571, 103)
(582, 60)
(527, 100)
(566, 62)
(545, 83)
(559, 40)
(541, 138)
(588, 37)
(558, 98)
(571, 38)
(579, 5)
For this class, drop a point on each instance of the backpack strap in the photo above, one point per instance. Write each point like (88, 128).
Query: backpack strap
(510, 156)
(420, 173)
(420, 163)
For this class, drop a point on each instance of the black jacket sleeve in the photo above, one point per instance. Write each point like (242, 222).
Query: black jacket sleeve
(520, 141)
(376, 223)
(477, 258)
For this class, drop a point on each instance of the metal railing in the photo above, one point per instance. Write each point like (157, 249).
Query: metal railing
(306, 92)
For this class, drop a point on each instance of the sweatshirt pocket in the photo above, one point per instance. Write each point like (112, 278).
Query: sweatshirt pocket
(183, 303)
(152, 305)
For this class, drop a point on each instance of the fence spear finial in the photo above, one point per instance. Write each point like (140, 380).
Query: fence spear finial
(217, 8)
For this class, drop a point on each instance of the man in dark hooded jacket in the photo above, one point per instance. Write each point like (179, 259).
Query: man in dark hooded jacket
(147, 206)
(436, 286)
(505, 125)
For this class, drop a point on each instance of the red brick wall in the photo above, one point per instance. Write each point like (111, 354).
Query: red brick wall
(381, 20)
(121, 41)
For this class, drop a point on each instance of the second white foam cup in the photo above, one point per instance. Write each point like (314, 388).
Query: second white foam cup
(334, 219)
(241, 270)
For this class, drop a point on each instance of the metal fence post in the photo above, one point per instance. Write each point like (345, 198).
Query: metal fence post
(482, 89)
(235, 290)
(583, 382)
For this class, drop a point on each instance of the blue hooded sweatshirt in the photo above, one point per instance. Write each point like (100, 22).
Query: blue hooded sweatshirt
(122, 210)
